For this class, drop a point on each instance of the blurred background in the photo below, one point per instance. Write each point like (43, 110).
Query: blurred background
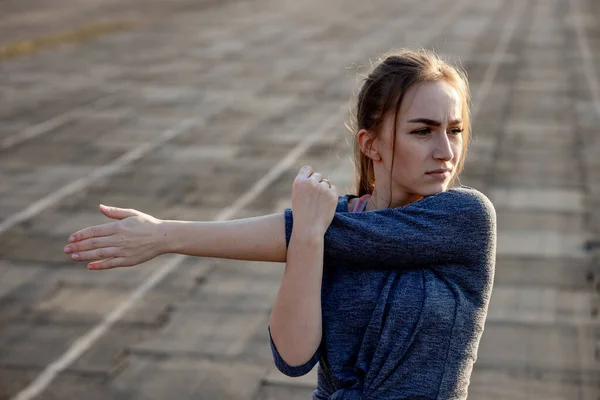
(205, 110)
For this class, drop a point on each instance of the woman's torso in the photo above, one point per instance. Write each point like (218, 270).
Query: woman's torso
(388, 334)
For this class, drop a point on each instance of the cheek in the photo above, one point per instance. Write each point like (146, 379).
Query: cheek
(457, 150)
(411, 159)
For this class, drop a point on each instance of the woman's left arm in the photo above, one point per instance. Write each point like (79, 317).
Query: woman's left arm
(454, 227)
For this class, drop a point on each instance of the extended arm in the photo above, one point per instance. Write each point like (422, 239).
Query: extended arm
(137, 237)
(253, 239)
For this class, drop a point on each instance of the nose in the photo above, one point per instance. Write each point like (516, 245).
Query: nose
(443, 148)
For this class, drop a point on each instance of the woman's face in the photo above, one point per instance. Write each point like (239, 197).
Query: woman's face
(428, 143)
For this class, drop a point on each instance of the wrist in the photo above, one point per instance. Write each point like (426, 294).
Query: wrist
(308, 235)
(166, 240)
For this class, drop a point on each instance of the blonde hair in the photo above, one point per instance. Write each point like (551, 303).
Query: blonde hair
(383, 90)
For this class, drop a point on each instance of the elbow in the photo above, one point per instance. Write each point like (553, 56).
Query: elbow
(296, 363)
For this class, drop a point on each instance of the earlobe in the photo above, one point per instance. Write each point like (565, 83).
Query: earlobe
(375, 155)
(365, 141)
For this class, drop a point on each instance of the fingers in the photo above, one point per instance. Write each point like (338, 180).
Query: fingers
(90, 244)
(94, 232)
(320, 181)
(305, 172)
(109, 263)
(316, 177)
(94, 255)
(326, 182)
(117, 213)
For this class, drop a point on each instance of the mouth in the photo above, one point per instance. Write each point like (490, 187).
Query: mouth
(439, 173)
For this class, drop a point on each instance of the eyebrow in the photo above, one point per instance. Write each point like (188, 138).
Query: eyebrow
(432, 122)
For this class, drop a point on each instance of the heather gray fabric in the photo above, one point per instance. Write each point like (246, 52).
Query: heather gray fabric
(404, 298)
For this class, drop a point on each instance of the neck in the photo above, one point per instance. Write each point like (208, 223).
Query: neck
(378, 201)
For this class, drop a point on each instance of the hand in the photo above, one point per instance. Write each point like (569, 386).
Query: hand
(313, 202)
(132, 240)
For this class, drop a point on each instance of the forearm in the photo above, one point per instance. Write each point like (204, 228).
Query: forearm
(253, 239)
(296, 321)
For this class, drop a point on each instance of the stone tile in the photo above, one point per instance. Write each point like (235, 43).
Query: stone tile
(543, 87)
(148, 378)
(20, 286)
(540, 243)
(534, 154)
(73, 385)
(235, 293)
(107, 356)
(17, 245)
(93, 126)
(192, 331)
(489, 383)
(73, 274)
(103, 194)
(539, 305)
(22, 290)
(533, 165)
(62, 293)
(36, 345)
(205, 153)
(14, 277)
(12, 380)
(510, 219)
(558, 273)
(508, 176)
(64, 224)
(90, 304)
(186, 278)
(49, 107)
(125, 138)
(539, 348)
(45, 180)
(56, 154)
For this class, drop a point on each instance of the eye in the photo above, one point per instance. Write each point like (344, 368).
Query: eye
(457, 131)
(422, 132)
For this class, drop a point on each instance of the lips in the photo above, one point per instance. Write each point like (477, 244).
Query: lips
(441, 174)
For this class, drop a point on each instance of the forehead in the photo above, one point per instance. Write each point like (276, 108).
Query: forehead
(433, 100)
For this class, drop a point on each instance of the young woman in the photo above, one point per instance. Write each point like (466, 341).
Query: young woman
(387, 288)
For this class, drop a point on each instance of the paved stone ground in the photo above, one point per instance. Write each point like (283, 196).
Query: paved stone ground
(181, 117)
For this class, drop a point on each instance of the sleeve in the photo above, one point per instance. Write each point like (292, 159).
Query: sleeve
(293, 371)
(452, 227)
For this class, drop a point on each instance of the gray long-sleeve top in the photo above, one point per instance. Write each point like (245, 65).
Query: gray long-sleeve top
(405, 293)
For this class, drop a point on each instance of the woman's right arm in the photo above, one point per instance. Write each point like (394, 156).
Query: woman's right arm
(137, 237)
(252, 239)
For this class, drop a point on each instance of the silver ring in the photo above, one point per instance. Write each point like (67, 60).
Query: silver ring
(326, 180)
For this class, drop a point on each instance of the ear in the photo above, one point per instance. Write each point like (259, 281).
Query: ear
(366, 142)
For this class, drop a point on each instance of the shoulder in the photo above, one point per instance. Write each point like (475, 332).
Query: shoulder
(465, 197)
(463, 203)
(461, 197)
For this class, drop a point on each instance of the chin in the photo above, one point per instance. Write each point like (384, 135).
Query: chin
(430, 189)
